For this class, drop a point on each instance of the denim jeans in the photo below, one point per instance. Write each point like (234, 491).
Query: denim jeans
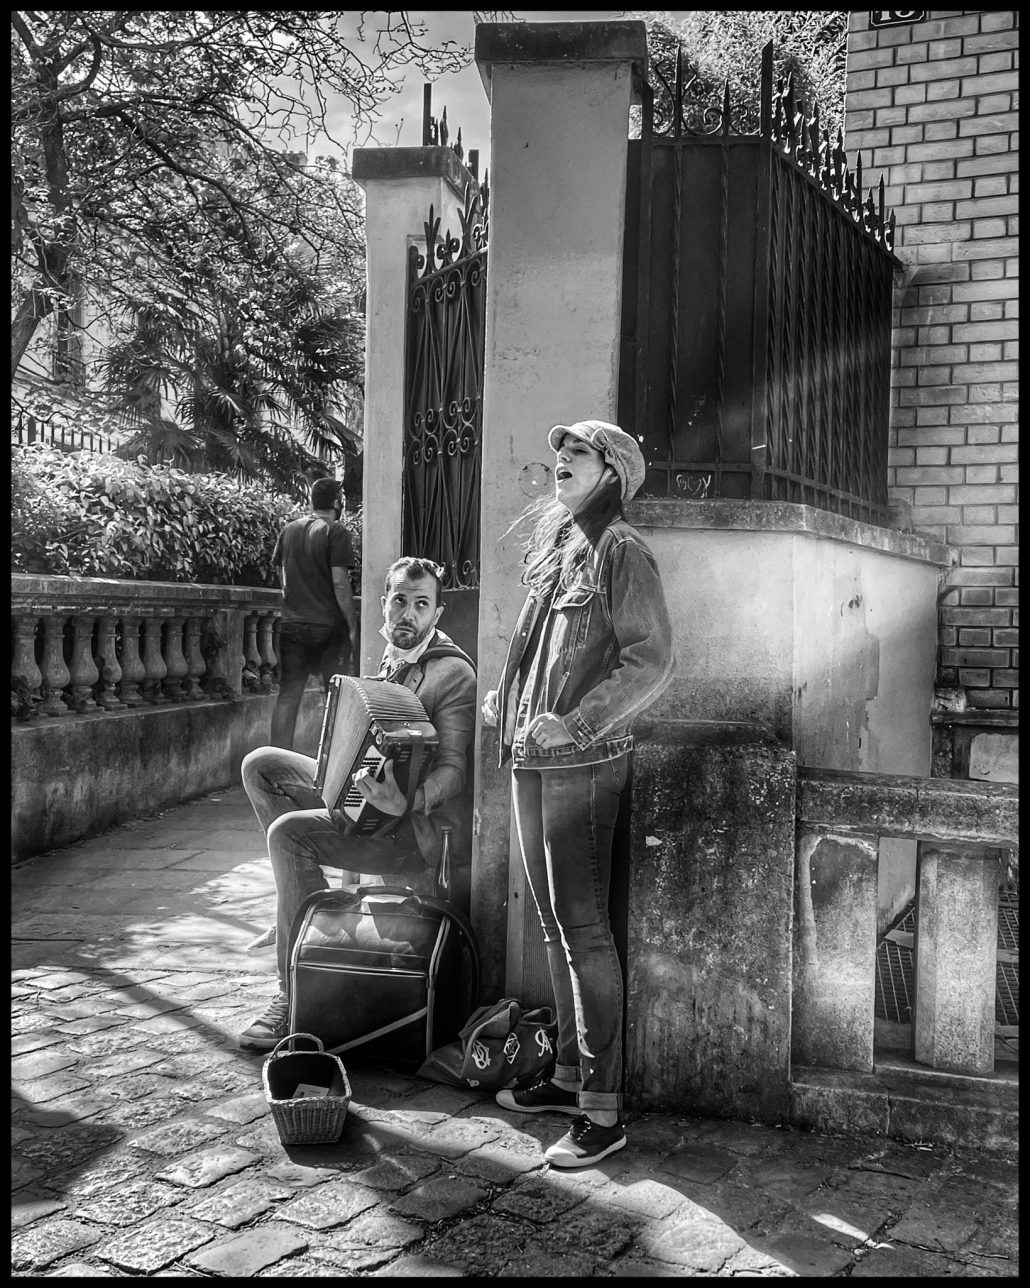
(302, 837)
(304, 649)
(566, 819)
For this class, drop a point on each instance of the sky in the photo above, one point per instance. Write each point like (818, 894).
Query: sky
(462, 93)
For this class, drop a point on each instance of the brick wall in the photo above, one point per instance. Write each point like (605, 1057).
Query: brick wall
(933, 106)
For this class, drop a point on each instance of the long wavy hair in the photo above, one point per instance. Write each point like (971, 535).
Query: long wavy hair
(559, 543)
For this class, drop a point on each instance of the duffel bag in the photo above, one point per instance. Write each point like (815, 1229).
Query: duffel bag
(500, 1046)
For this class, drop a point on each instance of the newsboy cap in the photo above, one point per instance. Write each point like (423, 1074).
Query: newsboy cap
(619, 450)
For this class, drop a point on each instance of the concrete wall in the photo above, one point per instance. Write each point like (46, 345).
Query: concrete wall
(81, 775)
(818, 628)
(708, 995)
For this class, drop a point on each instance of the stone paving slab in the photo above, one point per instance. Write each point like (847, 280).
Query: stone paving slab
(142, 1144)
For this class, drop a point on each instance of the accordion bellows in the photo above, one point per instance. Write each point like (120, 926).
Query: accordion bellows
(367, 722)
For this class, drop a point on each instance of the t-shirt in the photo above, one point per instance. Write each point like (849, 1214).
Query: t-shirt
(307, 549)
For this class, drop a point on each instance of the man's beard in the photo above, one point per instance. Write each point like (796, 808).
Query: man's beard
(407, 638)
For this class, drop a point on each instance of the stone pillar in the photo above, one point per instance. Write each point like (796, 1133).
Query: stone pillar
(82, 670)
(55, 671)
(110, 670)
(956, 957)
(559, 120)
(195, 666)
(153, 661)
(267, 661)
(400, 185)
(711, 888)
(133, 670)
(251, 655)
(835, 952)
(26, 677)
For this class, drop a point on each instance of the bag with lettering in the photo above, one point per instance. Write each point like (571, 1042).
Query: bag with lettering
(500, 1046)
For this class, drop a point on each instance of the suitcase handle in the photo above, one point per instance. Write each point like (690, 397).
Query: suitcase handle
(292, 1037)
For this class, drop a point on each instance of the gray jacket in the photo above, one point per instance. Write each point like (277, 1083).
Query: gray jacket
(444, 679)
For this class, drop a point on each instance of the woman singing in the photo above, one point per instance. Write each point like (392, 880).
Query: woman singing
(591, 650)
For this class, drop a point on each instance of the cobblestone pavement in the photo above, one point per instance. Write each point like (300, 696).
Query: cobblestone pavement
(143, 1145)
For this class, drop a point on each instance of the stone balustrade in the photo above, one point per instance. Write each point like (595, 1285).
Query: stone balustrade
(752, 931)
(92, 645)
(969, 841)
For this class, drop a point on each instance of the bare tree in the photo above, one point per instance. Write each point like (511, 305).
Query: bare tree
(143, 140)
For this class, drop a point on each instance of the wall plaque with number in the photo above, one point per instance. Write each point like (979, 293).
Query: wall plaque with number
(896, 17)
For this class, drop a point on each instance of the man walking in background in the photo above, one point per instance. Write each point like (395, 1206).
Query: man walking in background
(319, 626)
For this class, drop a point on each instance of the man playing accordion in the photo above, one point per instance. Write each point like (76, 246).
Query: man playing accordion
(303, 835)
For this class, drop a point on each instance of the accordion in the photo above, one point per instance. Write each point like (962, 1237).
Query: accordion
(366, 723)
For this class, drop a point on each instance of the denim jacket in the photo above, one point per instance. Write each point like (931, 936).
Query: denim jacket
(608, 656)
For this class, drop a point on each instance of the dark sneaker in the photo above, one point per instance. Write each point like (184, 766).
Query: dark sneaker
(542, 1098)
(270, 1029)
(265, 942)
(584, 1143)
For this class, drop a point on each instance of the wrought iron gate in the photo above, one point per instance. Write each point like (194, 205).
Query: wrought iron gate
(757, 310)
(443, 410)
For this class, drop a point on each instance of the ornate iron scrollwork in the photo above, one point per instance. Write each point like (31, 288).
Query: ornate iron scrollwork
(443, 402)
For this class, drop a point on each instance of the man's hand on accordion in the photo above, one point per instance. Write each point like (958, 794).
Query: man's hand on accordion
(384, 794)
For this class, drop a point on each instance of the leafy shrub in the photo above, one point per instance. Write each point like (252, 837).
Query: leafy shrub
(100, 516)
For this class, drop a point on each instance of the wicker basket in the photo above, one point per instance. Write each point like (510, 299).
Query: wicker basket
(306, 1120)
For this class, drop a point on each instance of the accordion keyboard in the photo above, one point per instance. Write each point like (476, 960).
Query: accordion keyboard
(373, 760)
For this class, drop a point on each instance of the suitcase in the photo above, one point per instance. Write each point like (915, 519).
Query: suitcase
(381, 971)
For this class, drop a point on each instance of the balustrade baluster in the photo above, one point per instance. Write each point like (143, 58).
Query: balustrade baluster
(195, 666)
(251, 653)
(835, 945)
(153, 662)
(175, 660)
(266, 626)
(956, 956)
(133, 670)
(26, 677)
(55, 670)
(83, 670)
(110, 671)
(216, 683)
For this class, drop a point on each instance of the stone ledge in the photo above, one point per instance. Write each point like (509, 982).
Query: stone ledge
(1005, 720)
(79, 775)
(703, 733)
(559, 42)
(843, 802)
(914, 1104)
(410, 163)
(784, 517)
(29, 589)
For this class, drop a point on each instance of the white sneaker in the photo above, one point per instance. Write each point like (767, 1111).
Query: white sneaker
(585, 1143)
(264, 943)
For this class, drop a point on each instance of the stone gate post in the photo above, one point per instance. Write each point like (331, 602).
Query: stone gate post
(400, 185)
(560, 96)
